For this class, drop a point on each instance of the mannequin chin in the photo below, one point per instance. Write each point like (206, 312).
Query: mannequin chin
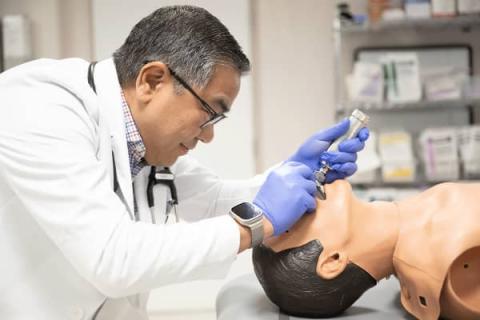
(290, 280)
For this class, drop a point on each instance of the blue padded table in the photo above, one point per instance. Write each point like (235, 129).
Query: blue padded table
(244, 299)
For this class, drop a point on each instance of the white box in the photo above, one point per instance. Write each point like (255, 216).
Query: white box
(366, 83)
(440, 154)
(471, 168)
(418, 10)
(439, 145)
(399, 172)
(396, 153)
(442, 171)
(469, 143)
(395, 146)
(443, 8)
(468, 6)
(402, 76)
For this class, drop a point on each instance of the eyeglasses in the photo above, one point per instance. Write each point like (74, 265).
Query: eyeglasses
(214, 116)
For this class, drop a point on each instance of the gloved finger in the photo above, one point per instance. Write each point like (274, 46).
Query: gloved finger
(332, 176)
(347, 168)
(309, 186)
(351, 145)
(334, 132)
(338, 157)
(363, 134)
(315, 147)
(303, 170)
(340, 171)
(310, 203)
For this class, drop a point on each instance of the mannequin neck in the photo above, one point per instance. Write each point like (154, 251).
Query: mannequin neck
(375, 226)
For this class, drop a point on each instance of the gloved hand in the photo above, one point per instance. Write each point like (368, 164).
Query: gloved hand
(342, 162)
(288, 192)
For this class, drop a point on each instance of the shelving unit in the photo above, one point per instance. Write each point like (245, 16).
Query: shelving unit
(415, 116)
(437, 23)
(411, 106)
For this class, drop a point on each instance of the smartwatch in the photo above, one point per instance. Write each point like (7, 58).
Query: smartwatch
(250, 216)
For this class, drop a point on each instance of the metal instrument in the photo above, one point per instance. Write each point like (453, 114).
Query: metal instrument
(358, 120)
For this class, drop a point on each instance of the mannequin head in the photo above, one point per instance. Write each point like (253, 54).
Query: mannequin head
(290, 280)
(330, 257)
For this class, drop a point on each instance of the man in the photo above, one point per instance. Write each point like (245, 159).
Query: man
(78, 240)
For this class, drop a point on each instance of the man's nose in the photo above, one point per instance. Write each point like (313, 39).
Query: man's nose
(207, 134)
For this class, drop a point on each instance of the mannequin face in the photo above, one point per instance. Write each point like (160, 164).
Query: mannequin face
(330, 257)
(349, 230)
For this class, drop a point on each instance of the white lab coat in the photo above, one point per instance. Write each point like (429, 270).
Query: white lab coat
(68, 245)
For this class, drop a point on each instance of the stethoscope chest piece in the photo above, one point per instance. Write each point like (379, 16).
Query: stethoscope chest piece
(165, 177)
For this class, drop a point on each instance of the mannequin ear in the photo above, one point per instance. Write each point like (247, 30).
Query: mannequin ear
(330, 265)
(150, 77)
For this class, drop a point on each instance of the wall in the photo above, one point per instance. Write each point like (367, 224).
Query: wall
(60, 28)
(293, 73)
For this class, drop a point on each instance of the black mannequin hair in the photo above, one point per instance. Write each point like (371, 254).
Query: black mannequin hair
(290, 280)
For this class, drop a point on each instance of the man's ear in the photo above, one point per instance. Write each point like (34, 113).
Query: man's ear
(150, 78)
(330, 265)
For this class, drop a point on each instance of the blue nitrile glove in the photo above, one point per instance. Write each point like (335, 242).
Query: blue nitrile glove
(287, 193)
(342, 162)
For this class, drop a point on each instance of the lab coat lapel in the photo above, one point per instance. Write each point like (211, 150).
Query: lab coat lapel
(109, 94)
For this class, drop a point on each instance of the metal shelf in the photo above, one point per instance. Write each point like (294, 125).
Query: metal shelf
(460, 22)
(412, 106)
(418, 184)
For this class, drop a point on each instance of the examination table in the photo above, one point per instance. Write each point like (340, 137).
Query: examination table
(244, 299)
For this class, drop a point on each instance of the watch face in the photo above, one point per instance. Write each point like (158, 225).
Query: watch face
(245, 211)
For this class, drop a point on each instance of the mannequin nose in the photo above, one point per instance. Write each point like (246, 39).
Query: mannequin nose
(207, 134)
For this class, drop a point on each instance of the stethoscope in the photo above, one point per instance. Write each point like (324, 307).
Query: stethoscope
(162, 176)
(166, 177)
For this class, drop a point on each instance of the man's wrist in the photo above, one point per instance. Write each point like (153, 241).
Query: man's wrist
(250, 216)
(267, 228)
(246, 234)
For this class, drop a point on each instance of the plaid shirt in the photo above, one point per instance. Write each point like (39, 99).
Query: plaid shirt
(136, 148)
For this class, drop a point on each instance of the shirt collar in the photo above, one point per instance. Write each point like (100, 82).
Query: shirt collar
(136, 148)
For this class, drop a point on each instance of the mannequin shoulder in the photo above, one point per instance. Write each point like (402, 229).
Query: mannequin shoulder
(449, 195)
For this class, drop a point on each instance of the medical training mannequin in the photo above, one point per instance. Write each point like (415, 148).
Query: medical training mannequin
(430, 242)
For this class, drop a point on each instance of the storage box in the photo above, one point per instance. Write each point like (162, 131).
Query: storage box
(399, 172)
(418, 9)
(440, 154)
(396, 153)
(468, 6)
(443, 8)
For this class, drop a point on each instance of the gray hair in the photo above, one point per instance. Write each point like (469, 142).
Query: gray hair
(189, 39)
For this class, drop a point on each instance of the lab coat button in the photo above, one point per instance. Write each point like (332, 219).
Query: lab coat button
(76, 313)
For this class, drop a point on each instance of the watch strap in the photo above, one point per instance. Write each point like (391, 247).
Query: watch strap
(257, 233)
